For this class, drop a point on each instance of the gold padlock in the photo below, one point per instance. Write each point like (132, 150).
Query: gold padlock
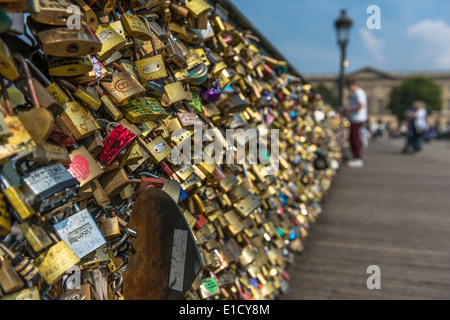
(65, 42)
(78, 120)
(7, 67)
(56, 13)
(117, 25)
(83, 95)
(89, 14)
(111, 41)
(123, 88)
(134, 24)
(144, 109)
(64, 67)
(109, 106)
(55, 262)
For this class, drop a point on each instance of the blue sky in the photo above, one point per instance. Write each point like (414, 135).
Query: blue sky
(414, 34)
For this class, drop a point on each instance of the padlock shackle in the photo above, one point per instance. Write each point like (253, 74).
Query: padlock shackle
(69, 85)
(7, 108)
(29, 80)
(38, 73)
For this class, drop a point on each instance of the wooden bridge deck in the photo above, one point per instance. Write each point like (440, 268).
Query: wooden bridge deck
(394, 213)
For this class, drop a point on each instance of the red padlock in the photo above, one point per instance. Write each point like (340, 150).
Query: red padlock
(116, 144)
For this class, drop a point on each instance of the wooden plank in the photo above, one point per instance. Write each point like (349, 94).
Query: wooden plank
(394, 213)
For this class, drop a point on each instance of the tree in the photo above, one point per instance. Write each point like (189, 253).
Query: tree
(327, 94)
(416, 88)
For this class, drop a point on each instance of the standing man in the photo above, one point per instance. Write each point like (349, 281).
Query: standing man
(357, 112)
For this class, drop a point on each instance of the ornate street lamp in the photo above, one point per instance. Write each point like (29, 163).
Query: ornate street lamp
(342, 25)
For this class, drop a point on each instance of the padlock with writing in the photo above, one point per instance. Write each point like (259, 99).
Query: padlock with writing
(48, 187)
(144, 109)
(79, 121)
(80, 233)
(123, 88)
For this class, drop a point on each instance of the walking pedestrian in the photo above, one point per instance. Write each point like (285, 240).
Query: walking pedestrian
(420, 127)
(357, 111)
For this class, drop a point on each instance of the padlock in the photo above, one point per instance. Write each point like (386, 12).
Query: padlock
(114, 181)
(99, 194)
(48, 187)
(56, 261)
(5, 218)
(144, 109)
(7, 67)
(83, 166)
(83, 95)
(116, 144)
(198, 10)
(19, 142)
(111, 41)
(134, 24)
(78, 120)
(123, 88)
(23, 265)
(80, 233)
(51, 87)
(89, 14)
(39, 121)
(51, 152)
(65, 42)
(56, 13)
(153, 67)
(10, 281)
(35, 235)
(108, 105)
(117, 25)
(68, 67)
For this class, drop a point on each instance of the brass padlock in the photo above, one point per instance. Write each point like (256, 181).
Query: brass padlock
(151, 68)
(5, 218)
(35, 235)
(123, 88)
(144, 109)
(56, 13)
(78, 120)
(65, 42)
(51, 87)
(117, 25)
(65, 67)
(55, 262)
(19, 143)
(111, 41)
(134, 24)
(10, 281)
(83, 95)
(109, 106)
(89, 14)
(7, 67)
(51, 152)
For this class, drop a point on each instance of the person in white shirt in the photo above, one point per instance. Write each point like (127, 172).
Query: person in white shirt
(420, 126)
(357, 111)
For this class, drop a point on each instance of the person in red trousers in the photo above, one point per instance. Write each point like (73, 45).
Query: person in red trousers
(357, 113)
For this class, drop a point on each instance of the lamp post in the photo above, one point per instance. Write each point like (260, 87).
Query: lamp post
(342, 25)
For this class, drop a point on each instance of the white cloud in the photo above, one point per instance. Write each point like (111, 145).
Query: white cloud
(432, 42)
(373, 45)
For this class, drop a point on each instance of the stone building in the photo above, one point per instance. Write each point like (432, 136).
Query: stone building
(378, 84)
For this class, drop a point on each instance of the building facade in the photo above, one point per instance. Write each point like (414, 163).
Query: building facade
(378, 84)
